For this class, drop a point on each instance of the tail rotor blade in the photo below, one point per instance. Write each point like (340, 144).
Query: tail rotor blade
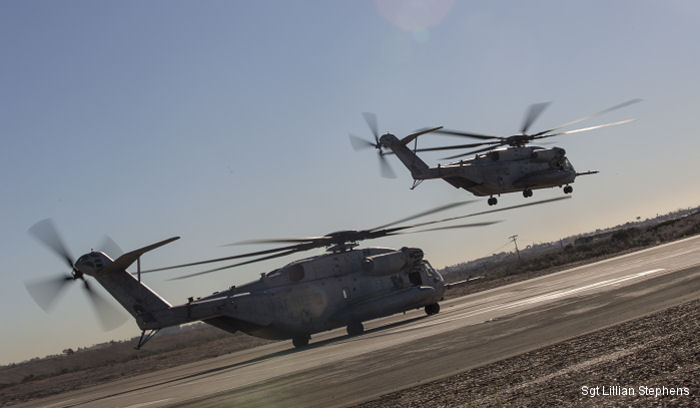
(110, 247)
(385, 168)
(371, 120)
(45, 231)
(109, 317)
(359, 143)
(46, 292)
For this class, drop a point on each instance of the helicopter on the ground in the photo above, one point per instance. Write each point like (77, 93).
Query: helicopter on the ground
(343, 287)
(504, 165)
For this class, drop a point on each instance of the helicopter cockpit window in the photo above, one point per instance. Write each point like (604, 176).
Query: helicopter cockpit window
(431, 271)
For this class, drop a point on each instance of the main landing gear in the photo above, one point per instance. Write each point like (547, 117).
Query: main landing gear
(432, 309)
(301, 340)
(492, 200)
(568, 189)
(355, 329)
(527, 193)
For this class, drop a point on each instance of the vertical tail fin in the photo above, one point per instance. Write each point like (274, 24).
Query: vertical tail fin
(418, 168)
(150, 310)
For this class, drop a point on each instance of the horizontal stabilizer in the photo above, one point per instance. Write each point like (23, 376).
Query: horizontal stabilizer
(128, 258)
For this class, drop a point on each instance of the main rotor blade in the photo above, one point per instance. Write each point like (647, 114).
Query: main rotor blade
(359, 143)
(473, 152)
(622, 105)
(475, 224)
(45, 231)
(424, 213)
(221, 268)
(488, 212)
(275, 241)
(46, 291)
(455, 147)
(408, 139)
(109, 317)
(466, 134)
(385, 167)
(371, 120)
(568, 132)
(294, 248)
(533, 112)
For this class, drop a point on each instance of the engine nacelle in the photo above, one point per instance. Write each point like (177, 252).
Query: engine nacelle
(548, 155)
(392, 262)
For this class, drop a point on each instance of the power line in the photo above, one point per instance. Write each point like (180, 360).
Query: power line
(514, 238)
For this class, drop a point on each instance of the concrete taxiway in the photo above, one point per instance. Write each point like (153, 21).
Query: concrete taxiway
(405, 350)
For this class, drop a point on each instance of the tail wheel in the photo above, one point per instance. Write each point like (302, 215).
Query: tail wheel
(432, 309)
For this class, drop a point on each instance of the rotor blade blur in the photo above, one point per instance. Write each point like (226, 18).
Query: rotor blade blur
(472, 152)
(221, 268)
(275, 241)
(622, 105)
(533, 112)
(360, 144)
(568, 132)
(45, 231)
(475, 224)
(424, 213)
(385, 168)
(490, 211)
(408, 139)
(466, 134)
(46, 291)
(371, 120)
(299, 247)
(110, 247)
(454, 147)
(109, 316)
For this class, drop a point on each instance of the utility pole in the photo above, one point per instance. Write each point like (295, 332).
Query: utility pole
(514, 238)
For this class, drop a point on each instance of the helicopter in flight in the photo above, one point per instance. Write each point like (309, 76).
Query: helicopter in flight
(343, 287)
(500, 165)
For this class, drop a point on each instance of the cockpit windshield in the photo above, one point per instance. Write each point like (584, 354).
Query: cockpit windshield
(431, 271)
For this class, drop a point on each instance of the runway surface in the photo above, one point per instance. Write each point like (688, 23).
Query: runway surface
(405, 350)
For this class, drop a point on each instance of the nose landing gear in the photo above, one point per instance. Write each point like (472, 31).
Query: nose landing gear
(492, 200)
(568, 189)
(527, 193)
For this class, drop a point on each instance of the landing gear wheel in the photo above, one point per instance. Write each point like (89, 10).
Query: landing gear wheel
(432, 309)
(568, 190)
(492, 201)
(355, 329)
(301, 341)
(527, 193)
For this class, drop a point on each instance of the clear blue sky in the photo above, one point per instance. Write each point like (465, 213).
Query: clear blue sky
(227, 120)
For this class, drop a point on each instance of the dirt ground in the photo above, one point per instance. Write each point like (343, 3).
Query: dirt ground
(643, 355)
